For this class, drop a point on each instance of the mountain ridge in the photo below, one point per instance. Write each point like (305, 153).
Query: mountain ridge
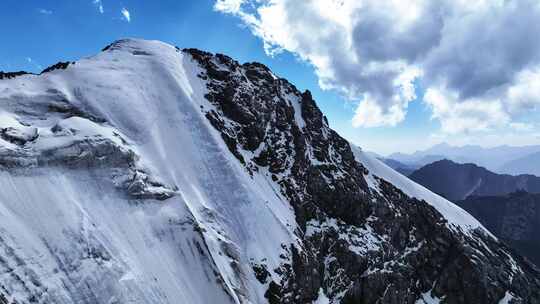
(499, 201)
(179, 174)
(493, 159)
(457, 181)
(523, 165)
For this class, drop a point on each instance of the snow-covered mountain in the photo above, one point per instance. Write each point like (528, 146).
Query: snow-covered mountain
(151, 174)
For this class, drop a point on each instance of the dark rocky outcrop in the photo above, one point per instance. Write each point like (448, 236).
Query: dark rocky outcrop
(57, 66)
(17, 136)
(10, 75)
(357, 245)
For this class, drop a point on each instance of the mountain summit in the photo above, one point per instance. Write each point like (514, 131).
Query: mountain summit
(152, 174)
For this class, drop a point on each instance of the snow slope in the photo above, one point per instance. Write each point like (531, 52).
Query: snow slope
(453, 213)
(70, 227)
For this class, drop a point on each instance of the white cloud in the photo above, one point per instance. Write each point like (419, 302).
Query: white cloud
(524, 93)
(228, 6)
(126, 15)
(99, 5)
(370, 114)
(465, 116)
(29, 60)
(477, 61)
(45, 11)
(499, 109)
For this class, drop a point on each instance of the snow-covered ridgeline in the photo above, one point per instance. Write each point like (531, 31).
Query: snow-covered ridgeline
(198, 246)
(454, 214)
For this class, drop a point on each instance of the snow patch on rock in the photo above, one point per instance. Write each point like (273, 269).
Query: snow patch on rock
(451, 212)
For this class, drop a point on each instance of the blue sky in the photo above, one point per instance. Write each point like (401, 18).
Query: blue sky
(41, 33)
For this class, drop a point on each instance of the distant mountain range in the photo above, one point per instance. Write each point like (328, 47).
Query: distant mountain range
(527, 164)
(457, 181)
(501, 159)
(400, 167)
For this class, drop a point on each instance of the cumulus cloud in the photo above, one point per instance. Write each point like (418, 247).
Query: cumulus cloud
(99, 6)
(479, 62)
(126, 15)
(524, 93)
(464, 116)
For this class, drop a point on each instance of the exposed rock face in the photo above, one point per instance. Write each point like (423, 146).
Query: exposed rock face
(9, 75)
(515, 218)
(359, 245)
(262, 201)
(457, 181)
(57, 66)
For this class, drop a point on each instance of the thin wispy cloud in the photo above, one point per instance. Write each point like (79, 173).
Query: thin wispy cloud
(99, 6)
(126, 15)
(33, 64)
(45, 11)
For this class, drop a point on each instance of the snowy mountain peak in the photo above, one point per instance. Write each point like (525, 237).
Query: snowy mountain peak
(148, 174)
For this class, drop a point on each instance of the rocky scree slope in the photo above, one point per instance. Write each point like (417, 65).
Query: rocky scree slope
(148, 174)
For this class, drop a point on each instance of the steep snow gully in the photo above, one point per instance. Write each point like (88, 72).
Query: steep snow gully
(151, 174)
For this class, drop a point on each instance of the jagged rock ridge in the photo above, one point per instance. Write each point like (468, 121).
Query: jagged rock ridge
(264, 201)
(326, 185)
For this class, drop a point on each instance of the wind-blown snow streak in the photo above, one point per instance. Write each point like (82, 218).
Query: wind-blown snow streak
(67, 235)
